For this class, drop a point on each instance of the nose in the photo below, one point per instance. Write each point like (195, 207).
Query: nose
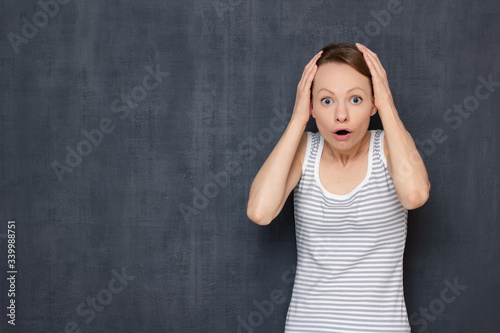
(341, 113)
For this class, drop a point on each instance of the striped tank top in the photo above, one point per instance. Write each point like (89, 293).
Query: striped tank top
(349, 275)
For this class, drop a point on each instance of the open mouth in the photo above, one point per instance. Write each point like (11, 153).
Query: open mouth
(342, 132)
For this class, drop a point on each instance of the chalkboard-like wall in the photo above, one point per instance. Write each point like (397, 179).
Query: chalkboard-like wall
(131, 131)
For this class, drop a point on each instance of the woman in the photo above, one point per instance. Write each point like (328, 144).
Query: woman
(353, 188)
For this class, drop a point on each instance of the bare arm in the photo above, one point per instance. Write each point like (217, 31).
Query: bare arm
(404, 163)
(277, 177)
(282, 170)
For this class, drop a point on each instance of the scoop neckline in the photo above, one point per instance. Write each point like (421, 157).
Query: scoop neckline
(360, 185)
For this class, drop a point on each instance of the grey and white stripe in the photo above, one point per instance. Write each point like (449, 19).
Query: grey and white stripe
(350, 248)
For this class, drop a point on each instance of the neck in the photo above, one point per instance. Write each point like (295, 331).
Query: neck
(346, 157)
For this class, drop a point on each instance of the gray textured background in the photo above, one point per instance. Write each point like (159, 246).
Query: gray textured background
(232, 67)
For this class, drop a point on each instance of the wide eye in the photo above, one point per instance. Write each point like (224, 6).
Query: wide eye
(326, 101)
(356, 99)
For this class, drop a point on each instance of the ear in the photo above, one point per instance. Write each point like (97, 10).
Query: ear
(313, 113)
(374, 109)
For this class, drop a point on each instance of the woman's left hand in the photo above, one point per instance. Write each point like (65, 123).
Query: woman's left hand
(381, 91)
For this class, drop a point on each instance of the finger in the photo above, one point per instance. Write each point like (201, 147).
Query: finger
(304, 72)
(314, 68)
(311, 62)
(306, 83)
(311, 76)
(375, 60)
(374, 67)
(314, 59)
(366, 49)
(378, 79)
(307, 71)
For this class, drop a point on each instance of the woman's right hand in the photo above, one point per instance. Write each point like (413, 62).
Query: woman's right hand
(303, 109)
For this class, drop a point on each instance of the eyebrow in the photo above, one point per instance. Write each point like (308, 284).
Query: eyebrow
(334, 93)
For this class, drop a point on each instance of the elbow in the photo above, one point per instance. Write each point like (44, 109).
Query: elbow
(417, 199)
(255, 217)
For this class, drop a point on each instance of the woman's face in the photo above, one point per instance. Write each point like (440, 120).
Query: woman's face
(342, 98)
